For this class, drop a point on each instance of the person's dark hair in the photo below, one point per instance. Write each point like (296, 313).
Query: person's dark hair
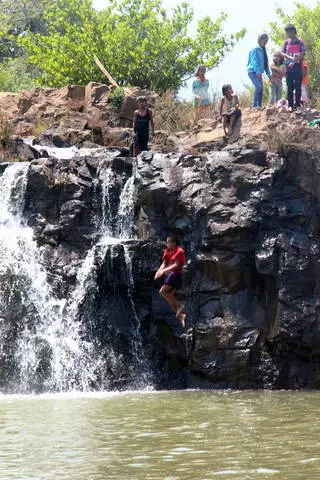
(198, 69)
(142, 98)
(225, 89)
(289, 27)
(173, 239)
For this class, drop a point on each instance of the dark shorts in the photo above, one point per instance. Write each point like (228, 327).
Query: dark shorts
(141, 142)
(174, 279)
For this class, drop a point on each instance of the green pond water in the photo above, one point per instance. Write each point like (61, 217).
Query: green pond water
(162, 435)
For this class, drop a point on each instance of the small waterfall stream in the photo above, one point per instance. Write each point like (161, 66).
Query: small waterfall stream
(51, 350)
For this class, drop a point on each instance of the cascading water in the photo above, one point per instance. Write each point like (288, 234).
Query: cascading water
(116, 234)
(48, 347)
(47, 351)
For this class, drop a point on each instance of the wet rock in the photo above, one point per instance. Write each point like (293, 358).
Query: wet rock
(249, 222)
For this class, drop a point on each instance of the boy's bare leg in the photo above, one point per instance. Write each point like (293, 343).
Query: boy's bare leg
(167, 292)
(136, 151)
(225, 124)
(182, 317)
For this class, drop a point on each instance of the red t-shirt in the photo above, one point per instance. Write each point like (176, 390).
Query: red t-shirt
(174, 255)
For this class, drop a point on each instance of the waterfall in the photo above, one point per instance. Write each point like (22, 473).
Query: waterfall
(116, 233)
(48, 349)
(126, 210)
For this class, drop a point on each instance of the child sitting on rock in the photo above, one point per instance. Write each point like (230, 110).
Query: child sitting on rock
(229, 109)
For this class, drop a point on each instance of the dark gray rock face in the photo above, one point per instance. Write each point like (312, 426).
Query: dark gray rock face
(249, 222)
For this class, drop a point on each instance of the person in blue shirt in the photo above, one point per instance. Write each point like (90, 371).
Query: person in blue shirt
(258, 63)
(200, 89)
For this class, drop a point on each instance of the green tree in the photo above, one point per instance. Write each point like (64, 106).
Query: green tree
(307, 21)
(16, 18)
(137, 40)
(64, 55)
(22, 15)
(16, 75)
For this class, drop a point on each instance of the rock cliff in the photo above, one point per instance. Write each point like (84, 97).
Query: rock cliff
(247, 214)
(249, 221)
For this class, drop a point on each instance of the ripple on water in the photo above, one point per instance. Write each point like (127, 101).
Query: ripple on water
(266, 471)
(308, 460)
(142, 436)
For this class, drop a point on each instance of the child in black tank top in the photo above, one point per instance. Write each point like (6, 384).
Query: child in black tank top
(142, 117)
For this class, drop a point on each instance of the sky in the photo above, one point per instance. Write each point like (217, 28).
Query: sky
(251, 14)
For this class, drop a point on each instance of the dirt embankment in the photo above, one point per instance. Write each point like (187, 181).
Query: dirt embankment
(94, 114)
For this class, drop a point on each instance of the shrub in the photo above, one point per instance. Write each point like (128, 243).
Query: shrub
(116, 97)
(41, 125)
(16, 75)
(5, 130)
(172, 114)
(62, 179)
(280, 140)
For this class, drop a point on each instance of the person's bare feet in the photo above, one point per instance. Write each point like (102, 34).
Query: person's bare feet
(182, 317)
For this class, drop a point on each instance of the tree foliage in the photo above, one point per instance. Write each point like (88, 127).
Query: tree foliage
(137, 40)
(16, 18)
(16, 75)
(307, 21)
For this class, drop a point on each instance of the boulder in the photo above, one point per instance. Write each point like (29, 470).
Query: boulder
(95, 92)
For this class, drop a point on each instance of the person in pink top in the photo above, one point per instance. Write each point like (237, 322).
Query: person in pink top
(293, 50)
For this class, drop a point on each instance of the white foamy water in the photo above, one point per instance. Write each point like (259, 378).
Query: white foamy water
(65, 153)
(116, 229)
(51, 350)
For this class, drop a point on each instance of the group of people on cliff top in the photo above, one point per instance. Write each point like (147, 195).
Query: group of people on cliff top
(289, 63)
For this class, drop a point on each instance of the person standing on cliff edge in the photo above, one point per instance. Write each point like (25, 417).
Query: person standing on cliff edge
(258, 63)
(294, 51)
(173, 261)
(200, 89)
(141, 120)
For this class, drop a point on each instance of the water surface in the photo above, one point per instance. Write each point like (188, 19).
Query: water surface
(161, 436)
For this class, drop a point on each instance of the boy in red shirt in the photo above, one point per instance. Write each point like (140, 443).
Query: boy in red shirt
(173, 261)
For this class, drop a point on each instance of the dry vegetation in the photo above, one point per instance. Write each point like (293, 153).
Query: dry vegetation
(5, 131)
(280, 140)
(176, 115)
(41, 125)
(172, 114)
